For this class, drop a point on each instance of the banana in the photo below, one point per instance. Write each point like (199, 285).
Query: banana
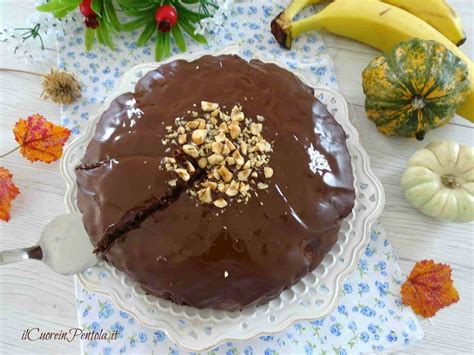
(379, 25)
(283, 20)
(438, 14)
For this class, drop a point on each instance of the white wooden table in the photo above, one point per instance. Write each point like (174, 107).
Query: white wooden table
(33, 296)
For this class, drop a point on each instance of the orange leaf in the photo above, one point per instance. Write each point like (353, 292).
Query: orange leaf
(39, 139)
(429, 288)
(8, 192)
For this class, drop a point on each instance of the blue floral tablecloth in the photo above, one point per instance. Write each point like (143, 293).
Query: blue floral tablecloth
(370, 316)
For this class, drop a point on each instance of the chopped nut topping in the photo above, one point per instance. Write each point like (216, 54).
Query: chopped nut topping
(236, 114)
(243, 175)
(229, 148)
(267, 172)
(216, 147)
(239, 159)
(215, 159)
(198, 136)
(202, 163)
(233, 188)
(191, 150)
(183, 174)
(221, 203)
(182, 139)
(234, 130)
(225, 173)
(205, 195)
(209, 106)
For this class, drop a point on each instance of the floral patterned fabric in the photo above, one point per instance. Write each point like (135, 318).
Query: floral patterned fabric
(369, 317)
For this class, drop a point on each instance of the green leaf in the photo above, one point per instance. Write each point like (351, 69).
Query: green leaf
(100, 37)
(189, 1)
(159, 51)
(104, 31)
(191, 15)
(189, 29)
(64, 11)
(137, 23)
(50, 6)
(139, 5)
(178, 38)
(96, 5)
(167, 44)
(111, 15)
(147, 33)
(89, 36)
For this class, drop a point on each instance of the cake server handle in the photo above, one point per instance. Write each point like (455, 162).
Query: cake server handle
(20, 254)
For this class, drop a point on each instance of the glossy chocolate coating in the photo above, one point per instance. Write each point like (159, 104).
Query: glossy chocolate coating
(191, 253)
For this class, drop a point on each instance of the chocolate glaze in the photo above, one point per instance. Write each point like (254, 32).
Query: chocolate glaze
(184, 252)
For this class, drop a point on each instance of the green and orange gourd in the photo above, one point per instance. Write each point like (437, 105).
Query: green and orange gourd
(415, 87)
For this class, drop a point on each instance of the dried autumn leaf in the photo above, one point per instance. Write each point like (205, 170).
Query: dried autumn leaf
(8, 192)
(429, 288)
(39, 139)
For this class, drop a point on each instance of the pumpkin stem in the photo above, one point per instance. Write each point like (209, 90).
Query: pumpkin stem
(450, 181)
(418, 102)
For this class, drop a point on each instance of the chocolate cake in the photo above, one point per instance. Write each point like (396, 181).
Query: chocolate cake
(217, 184)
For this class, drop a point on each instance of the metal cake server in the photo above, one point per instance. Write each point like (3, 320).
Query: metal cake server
(64, 246)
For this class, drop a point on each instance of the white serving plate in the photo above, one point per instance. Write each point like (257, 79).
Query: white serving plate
(315, 296)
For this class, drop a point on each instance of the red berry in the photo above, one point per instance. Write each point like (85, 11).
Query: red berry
(86, 8)
(166, 17)
(91, 22)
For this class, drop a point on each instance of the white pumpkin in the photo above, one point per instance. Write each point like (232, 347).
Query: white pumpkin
(439, 181)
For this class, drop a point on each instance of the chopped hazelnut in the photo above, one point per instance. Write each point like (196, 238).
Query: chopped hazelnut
(191, 150)
(255, 128)
(243, 148)
(233, 188)
(215, 159)
(234, 129)
(244, 188)
(225, 149)
(223, 128)
(182, 139)
(239, 159)
(183, 174)
(205, 195)
(216, 147)
(209, 106)
(224, 117)
(268, 172)
(220, 138)
(202, 162)
(211, 184)
(173, 182)
(215, 113)
(198, 136)
(236, 114)
(221, 187)
(230, 145)
(190, 167)
(192, 124)
(262, 186)
(221, 203)
(243, 175)
(225, 173)
(230, 161)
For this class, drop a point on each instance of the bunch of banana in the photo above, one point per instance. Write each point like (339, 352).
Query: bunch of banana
(381, 25)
